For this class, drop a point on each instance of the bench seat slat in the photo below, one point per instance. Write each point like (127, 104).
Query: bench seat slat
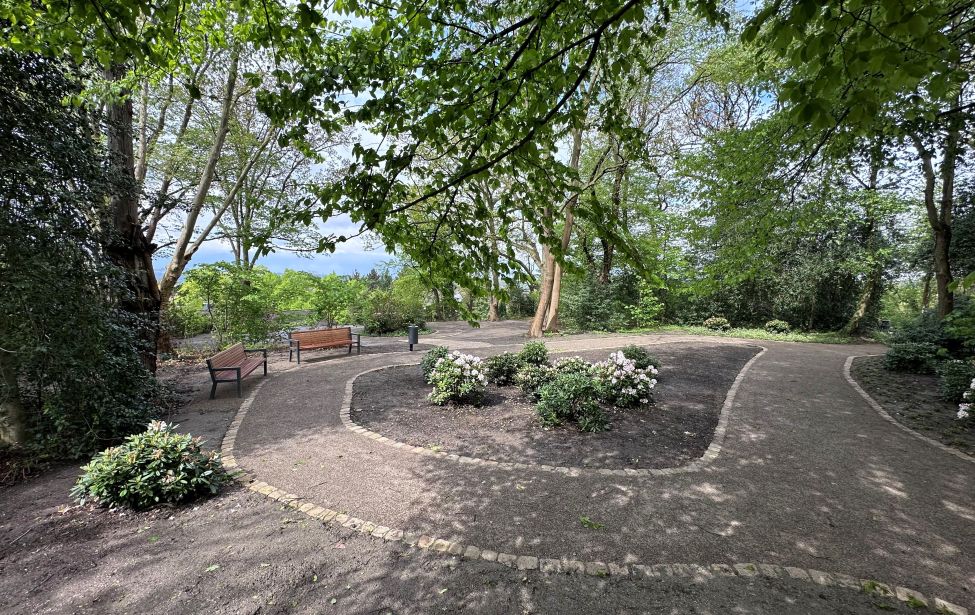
(317, 339)
(224, 366)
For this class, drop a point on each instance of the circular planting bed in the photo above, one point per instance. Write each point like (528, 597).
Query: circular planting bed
(676, 429)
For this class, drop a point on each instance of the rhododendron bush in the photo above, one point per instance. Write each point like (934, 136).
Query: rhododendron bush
(622, 383)
(458, 378)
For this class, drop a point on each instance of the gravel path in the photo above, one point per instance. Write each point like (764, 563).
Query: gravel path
(809, 476)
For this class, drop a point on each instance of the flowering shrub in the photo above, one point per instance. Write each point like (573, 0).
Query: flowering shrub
(954, 377)
(571, 397)
(572, 365)
(534, 353)
(640, 357)
(457, 378)
(717, 323)
(777, 326)
(430, 359)
(157, 466)
(965, 410)
(532, 377)
(624, 384)
(503, 368)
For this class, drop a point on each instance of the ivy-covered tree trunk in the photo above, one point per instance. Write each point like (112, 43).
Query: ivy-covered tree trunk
(128, 248)
(13, 418)
(939, 210)
(871, 285)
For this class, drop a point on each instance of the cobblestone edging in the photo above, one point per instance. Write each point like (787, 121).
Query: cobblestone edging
(345, 413)
(847, 373)
(526, 562)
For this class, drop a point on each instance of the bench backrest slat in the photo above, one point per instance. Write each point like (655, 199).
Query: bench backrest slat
(323, 336)
(231, 357)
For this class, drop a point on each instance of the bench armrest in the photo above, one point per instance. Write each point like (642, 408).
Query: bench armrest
(292, 341)
(358, 336)
(224, 369)
(261, 350)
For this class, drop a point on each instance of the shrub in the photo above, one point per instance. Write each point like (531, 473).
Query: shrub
(503, 368)
(622, 383)
(965, 411)
(457, 378)
(157, 466)
(531, 378)
(911, 357)
(534, 353)
(571, 397)
(429, 360)
(955, 378)
(572, 365)
(777, 326)
(640, 357)
(717, 323)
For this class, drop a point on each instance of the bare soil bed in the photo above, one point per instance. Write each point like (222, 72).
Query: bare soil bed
(676, 429)
(914, 400)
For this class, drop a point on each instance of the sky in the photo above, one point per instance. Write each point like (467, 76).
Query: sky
(348, 257)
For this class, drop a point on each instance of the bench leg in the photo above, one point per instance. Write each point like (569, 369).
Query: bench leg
(238, 387)
(358, 347)
(265, 367)
(299, 355)
(290, 350)
(350, 348)
(213, 390)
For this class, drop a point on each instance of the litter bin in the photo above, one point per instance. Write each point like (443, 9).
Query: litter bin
(413, 335)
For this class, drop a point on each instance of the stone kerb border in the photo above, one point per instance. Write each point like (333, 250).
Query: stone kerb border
(694, 572)
(345, 414)
(847, 373)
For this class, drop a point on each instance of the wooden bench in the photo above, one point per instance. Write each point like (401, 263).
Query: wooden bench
(317, 339)
(235, 363)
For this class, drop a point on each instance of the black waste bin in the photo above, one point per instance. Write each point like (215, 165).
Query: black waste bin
(413, 335)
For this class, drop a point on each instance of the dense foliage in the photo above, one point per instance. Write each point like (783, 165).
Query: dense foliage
(158, 466)
(73, 378)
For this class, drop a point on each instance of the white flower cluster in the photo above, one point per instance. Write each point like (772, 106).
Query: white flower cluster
(469, 365)
(627, 383)
(965, 408)
(457, 377)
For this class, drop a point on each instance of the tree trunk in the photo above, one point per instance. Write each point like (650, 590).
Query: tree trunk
(13, 418)
(129, 249)
(551, 316)
(939, 213)
(183, 251)
(871, 285)
(926, 291)
(544, 293)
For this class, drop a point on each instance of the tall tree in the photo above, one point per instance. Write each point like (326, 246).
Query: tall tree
(895, 68)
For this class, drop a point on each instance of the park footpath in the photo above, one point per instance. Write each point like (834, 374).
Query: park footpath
(805, 481)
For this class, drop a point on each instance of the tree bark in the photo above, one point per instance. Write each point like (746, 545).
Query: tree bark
(128, 248)
(939, 213)
(537, 327)
(871, 285)
(183, 251)
(13, 417)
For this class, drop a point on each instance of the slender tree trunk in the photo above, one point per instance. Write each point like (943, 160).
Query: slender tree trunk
(129, 249)
(939, 212)
(926, 291)
(544, 293)
(13, 417)
(182, 251)
(871, 285)
(555, 296)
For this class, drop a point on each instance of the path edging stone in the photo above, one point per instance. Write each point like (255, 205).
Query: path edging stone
(709, 455)
(848, 374)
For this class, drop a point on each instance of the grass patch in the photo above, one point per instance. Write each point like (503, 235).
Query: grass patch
(816, 337)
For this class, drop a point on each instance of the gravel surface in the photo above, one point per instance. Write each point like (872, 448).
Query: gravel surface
(914, 400)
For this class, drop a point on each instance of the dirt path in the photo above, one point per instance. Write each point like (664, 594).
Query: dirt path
(808, 476)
